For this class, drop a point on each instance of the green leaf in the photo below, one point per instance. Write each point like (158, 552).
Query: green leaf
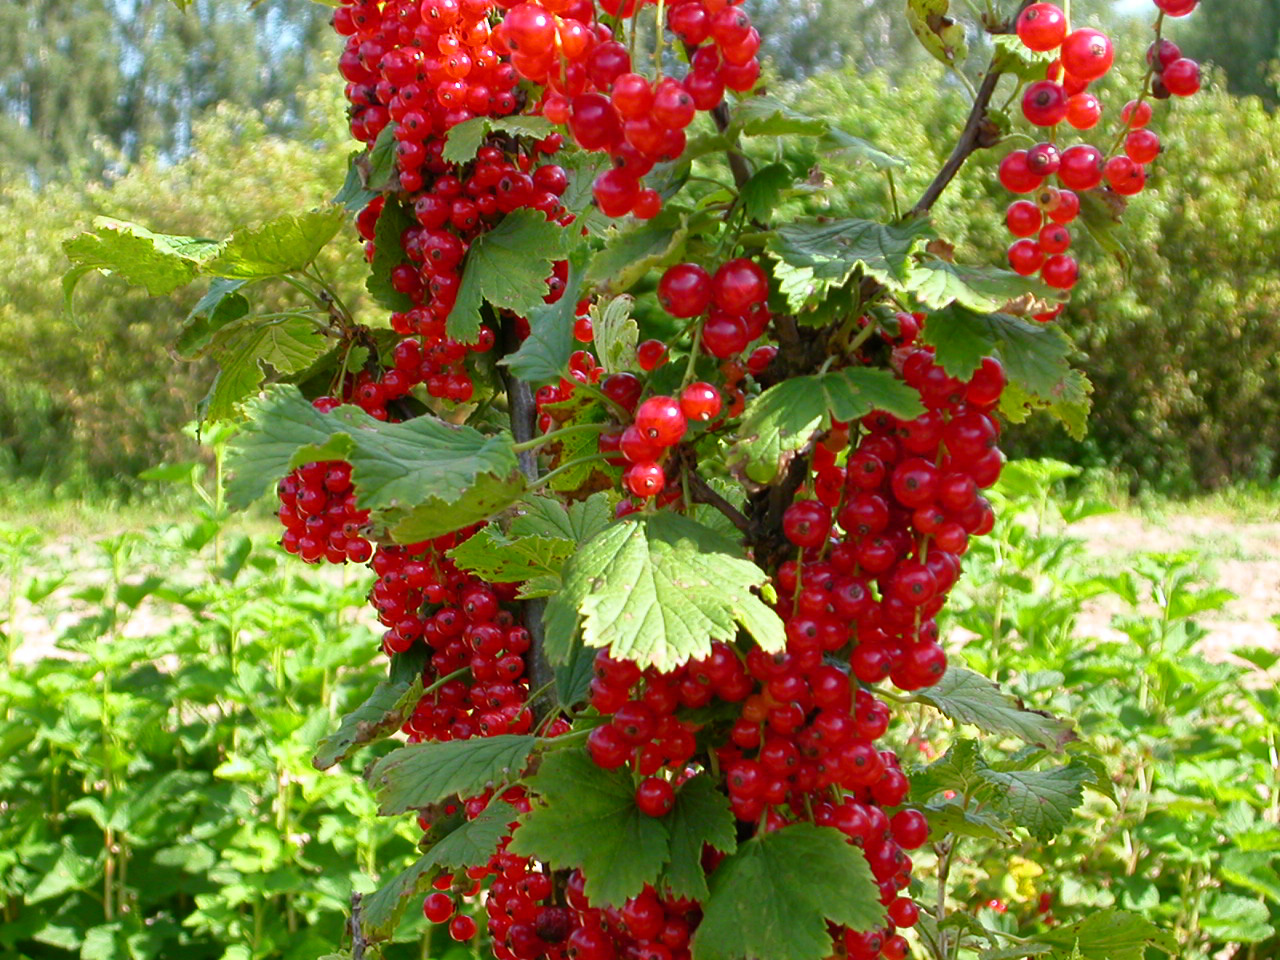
(770, 117)
(158, 262)
(840, 144)
(959, 770)
(615, 333)
(629, 254)
(587, 817)
(221, 305)
(544, 355)
(389, 254)
(1253, 870)
(701, 817)
(549, 517)
(1039, 800)
(287, 344)
(761, 194)
(1108, 935)
(354, 195)
(380, 174)
(815, 256)
(774, 897)
(1069, 405)
(942, 36)
(425, 773)
(381, 715)
(284, 245)
(967, 697)
(508, 266)
(494, 555)
(1015, 57)
(952, 818)
(422, 478)
(783, 418)
(471, 843)
(938, 283)
(464, 140)
(580, 409)
(657, 590)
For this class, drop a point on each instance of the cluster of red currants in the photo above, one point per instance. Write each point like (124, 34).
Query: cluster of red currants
(591, 84)
(1083, 56)
(319, 515)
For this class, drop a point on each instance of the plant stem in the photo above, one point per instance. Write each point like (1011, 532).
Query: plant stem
(536, 442)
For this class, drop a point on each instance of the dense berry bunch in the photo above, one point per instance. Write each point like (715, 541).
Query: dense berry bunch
(1054, 175)
(319, 515)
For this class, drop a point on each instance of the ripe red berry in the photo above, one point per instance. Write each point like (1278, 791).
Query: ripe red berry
(645, 479)
(438, 907)
(1044, 159)
(1136, 113)
(685, 290)
(1084, 110)
(462, 928)
(1055, 238)
(1177, 8)
(651, 354)
(1081, 167)
(661, 421)
(1023, 218)
(1087, 54)
(1060, 271)
(1016, 175)
(1142, 146)
(1182, 77)
(655, 797)
(1042, 27)
(1025, 257)
(806, 523)
(700, 401)
(1045, 104)
(739, 284)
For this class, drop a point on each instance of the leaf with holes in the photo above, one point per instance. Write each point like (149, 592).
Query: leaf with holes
(783, 418)
(587, 817)
(657, 590)
(775, 896)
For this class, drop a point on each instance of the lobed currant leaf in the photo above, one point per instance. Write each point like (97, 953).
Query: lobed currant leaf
(422, 774)
(221, 305)
(388, 254)
(967, 697)
(157, 262)
(383, 713)
(952, 818)
(816, 256)
(701, 817)
(507, 266)
(783, 418)
(378, 167)
(1108, 935)
(939, 283)
(544, 355)
(761, 194)
(494, 555)
(774, 896)
(288, 344)
(628, 255)
(286, 244)
(587, 817)
(615, 333)
(464, 139)
(469, 844)
(657, 590)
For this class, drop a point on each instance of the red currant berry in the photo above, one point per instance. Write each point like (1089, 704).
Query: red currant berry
(700, 401)
(685, 290)
(655, 797)
(1042, 27)
(1087, 54)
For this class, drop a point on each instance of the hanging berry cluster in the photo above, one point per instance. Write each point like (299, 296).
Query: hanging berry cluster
(1083, 56)
(871, 538)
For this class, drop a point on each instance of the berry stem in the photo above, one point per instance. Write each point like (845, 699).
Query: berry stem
(577, 462)
(1143, 91)
(555, 435)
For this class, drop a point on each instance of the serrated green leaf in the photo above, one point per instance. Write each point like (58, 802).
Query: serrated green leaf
(783, 418)
(1254, 870)
(1019, 952)
(1039, 800)
(544, 355)
(470, 844)
(464, 139)
(283, 245)
(1069, 405)
(761, 194)
(815, 256)
(766, 116)
(157, 262)
(493, 555)
(382, 714)
(287, 344)
(380, 166)
(419, 477)
(938, 283)
(941, 35)
(425, 773)
(967, 697)
(587, 817)
(701, 817)
(580, 409)
(959, 770)
(1108, 935)
(578, 521)
(388, 254)
(508, 266)
(354, 195)
(615, 333)
(657, 590)
(629, 254)
(774, 897)
(1231, 917)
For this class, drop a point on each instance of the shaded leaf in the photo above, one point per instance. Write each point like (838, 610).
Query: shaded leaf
(967, 697)
(283, 245)
(382, 714)
(701, 817)
(422, 774)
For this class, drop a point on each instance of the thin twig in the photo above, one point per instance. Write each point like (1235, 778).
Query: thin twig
(702, 492)
(738, 165)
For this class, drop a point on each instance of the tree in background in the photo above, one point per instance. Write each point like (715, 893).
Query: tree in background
(1246, 45)
(87, 86)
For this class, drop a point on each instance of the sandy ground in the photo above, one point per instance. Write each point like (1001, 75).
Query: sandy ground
(1242, 557)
